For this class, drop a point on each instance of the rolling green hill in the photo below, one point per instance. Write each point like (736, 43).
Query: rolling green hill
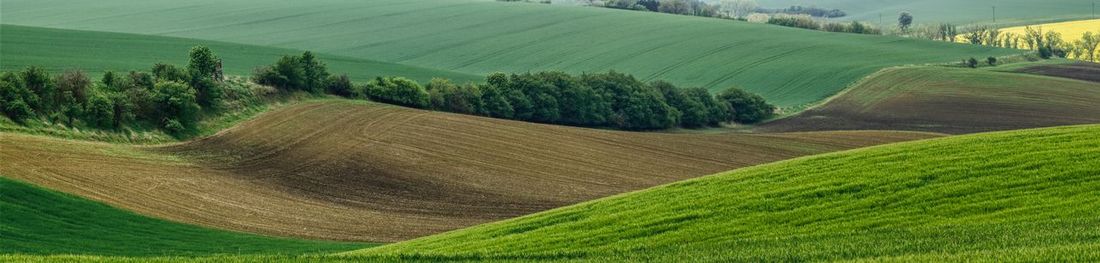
(788, 66)
(1008, 196)
(95, 52)
(36, 221)
(953, 11)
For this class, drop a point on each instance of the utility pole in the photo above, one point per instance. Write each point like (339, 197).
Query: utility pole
(994, 14)
(880, 25)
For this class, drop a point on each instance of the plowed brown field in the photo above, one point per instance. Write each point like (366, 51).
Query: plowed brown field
(951, 100)
(356, 171)
(1080, 70)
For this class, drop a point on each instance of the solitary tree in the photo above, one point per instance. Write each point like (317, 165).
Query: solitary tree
(905, 20)
(203, 62)
(992, 61)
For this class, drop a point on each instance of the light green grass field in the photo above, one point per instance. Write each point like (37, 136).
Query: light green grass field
(95, 52)
(35, 222)
(952, 11)
(788, 66)
(1009, 196)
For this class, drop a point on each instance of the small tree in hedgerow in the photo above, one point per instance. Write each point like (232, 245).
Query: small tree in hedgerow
(203, 61)
(905, 20)
(972, 63)
(176, 106)
(992, 61)
(202, 66)
(745, 107)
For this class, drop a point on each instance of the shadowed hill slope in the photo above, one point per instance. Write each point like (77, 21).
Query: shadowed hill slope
(43, 222)
(952, 100)
(354, 171)
(787, 66)
(1079, 70)
(1010, 196)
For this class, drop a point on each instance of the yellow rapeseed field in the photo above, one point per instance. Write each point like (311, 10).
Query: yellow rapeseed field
(1071, 32)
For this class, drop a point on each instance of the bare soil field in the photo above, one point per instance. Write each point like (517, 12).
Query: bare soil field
(342, 170)
(1080, 70)
(951, 100)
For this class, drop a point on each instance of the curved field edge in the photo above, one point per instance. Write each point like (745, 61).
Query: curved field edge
(1027, 193)
(363, 171)
(955, 100)
(790, 67)
(1069, 253)
(44, 222)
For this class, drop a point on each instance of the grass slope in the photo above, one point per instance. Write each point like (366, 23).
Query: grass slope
(359, 171)
(959, 12)
(954, 100)
(1010, 196)
(787, 66)
(95, 52)
(43, 222)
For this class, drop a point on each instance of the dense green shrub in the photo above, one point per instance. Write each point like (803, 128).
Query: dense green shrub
(397, 90)
(176, 106)
(100, 111)
(37, 80)
(291, 73)
(799, 21)
(203, 62)
(340, 85)
(14, 97)
(746, 107)
(446, 96)
(162, 72)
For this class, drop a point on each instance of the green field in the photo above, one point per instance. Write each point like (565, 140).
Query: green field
(36, 221)
(95, 52)
(788, 66)
(1008, 196)
(952, 11)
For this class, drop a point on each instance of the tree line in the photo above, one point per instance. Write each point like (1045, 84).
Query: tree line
(167, 97)
(611, 99)
(174, 99)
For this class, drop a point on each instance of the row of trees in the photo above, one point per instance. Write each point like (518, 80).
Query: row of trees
(170, 97)
(807, 22)
(802, 10)
(730, 9)
(609, 99)
(174, 99)
(1047, 44)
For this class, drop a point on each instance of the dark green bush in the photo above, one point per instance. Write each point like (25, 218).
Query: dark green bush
(397, 90)
(746, 107)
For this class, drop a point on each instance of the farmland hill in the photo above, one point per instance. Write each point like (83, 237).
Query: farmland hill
(788, 66)
(1006, 196)
(956, 100)
(361, 171)
(37, 221)
(1079, 70)
(95, 52)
